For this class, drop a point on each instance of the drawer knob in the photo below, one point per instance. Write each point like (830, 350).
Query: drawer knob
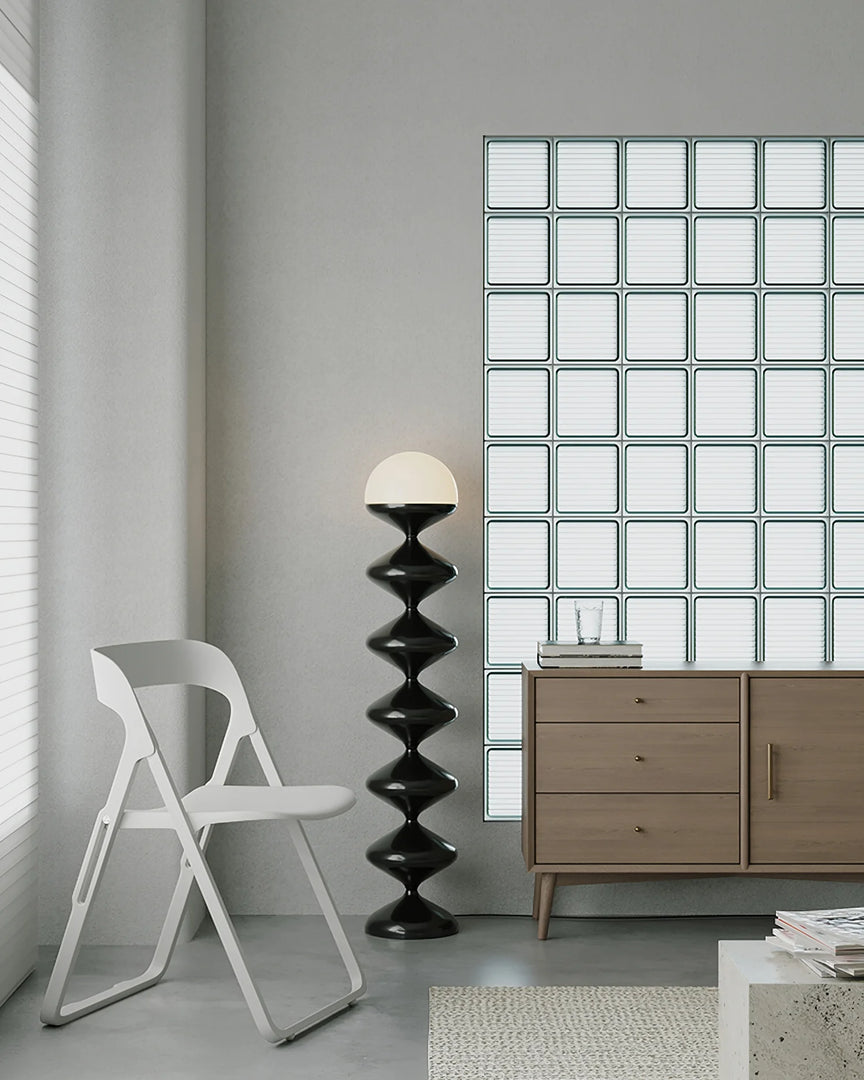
(637, 828)
(638, 757)
(637, 700)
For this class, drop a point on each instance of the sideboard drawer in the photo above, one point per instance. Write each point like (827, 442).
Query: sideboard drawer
(635, 700)
(637, 757)
(637, 829)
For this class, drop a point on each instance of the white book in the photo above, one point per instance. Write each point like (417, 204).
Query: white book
(822, 970)
(590, 661)
(600, 648)
(837, 930)
(798, 944)
(829, 967)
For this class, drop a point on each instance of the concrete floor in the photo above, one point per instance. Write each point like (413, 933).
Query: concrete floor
(195, 1024)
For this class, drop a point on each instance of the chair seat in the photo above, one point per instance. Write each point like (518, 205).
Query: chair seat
(215, 804)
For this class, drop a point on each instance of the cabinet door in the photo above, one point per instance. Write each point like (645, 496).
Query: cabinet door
(806, 739)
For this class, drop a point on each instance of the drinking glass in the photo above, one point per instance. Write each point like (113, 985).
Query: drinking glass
(589, 619)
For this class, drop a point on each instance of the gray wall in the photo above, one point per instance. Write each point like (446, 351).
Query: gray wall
(344, 323)
(122, 419)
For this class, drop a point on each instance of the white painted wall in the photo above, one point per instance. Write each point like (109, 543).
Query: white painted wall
(344, 323)
(122, 523)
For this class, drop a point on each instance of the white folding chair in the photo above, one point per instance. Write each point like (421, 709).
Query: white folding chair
(119, 671)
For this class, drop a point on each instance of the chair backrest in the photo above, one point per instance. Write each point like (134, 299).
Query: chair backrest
(120, 670)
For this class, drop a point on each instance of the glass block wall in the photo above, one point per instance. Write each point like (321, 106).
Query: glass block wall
(674, 381)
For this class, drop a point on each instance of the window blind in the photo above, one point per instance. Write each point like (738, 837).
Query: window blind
(18, 493)
(674, 372)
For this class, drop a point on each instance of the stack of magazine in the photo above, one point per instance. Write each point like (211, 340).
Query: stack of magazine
(604, 654)
(829, 942)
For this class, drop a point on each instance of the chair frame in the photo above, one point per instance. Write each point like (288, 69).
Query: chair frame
(119, 671)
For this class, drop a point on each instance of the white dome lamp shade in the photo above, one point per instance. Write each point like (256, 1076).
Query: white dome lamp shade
(411, 478)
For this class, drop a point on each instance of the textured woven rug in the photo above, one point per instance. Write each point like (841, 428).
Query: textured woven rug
(572, 1033)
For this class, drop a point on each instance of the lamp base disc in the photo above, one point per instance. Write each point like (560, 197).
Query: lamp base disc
(411, 918)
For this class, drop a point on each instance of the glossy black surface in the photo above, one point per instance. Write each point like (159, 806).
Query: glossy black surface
(411, 713)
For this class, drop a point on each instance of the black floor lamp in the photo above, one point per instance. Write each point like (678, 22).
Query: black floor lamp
(411, 490)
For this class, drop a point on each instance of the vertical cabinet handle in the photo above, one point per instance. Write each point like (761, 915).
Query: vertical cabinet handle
(770, 770)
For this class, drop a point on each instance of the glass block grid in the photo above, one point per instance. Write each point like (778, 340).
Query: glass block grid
(674, 366)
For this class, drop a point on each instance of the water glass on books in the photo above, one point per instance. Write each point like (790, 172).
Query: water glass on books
(589, 620)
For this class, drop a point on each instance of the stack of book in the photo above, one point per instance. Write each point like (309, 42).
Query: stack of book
(829, 942)
(604, 654)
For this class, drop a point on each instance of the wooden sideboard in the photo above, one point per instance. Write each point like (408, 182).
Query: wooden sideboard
(635, 775)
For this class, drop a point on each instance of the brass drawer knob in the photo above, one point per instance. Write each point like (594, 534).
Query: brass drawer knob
(637, 700)
(637, 828)
(638, 757)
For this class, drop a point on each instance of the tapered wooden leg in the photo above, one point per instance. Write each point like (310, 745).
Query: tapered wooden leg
(535, 910)
(547, 895)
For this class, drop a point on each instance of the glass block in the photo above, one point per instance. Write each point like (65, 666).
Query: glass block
(587, 479)
(656, 479)
(656, 402)
(794, 630)
(587, 555)
(503, 784)
(517, 479)
(794, 326)
(794, 555)
(794, 479)
(849, 402)
(656, 326)
(849, 174)
(660, 624)
(848, 480)
(517, 555)
(656, 555)
(566, 617)
(725, 173)
(725, 249)
(725, 479)
(656, 250)
(794, 174)
(517, 250)
(517, 402)
(656, 174)
(725, 629)
(725, 556)
(849, 326)
(514, 625)
(848, 629)
(849, 556)
(794, 252)
(517, 326)
(725, 402)
(725, 326)
(587, 251)
(794, 401)
(504, 706)
(587, 402)
(587, 326)
(849, 251)
(587, 174)
(517, 174)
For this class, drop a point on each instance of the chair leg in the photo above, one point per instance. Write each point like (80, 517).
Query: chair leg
(228, 935)
(334, 924)
(54, 1012)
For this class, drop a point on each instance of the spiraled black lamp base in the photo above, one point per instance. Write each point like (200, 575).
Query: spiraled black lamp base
(411, 783)
(411, 918)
